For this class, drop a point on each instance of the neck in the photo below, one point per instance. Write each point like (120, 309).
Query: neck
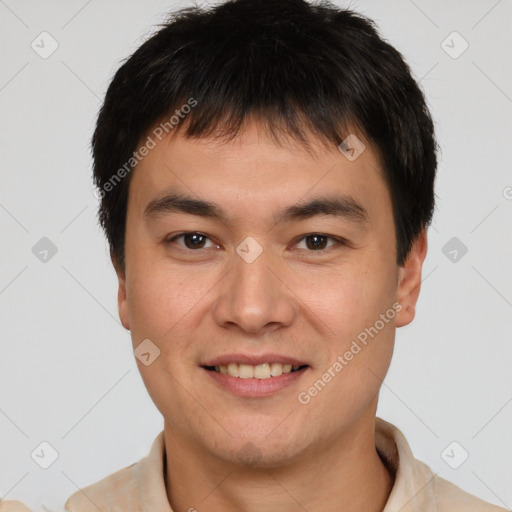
(345, 473)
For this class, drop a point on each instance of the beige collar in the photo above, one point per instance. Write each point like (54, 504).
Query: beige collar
(412, 491)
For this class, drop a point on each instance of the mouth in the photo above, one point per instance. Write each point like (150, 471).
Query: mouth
(259, 371)
(255, 375)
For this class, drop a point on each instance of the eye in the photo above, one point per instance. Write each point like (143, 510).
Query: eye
(317, 242)
(192, 240)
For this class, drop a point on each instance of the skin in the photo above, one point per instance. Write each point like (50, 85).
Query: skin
(200, 303)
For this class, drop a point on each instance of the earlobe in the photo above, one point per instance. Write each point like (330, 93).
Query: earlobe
(409, 280)
(122, 302)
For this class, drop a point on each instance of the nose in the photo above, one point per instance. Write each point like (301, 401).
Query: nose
(254, 297)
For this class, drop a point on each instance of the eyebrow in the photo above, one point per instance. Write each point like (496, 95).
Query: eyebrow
(337, 206)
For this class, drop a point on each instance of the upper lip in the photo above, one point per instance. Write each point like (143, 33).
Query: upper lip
(253, 359)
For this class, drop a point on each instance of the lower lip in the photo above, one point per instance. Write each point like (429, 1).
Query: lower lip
(253, 388)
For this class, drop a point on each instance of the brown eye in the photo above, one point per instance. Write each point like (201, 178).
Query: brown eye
(319, 242)
(191, 240)
(316, 242)
(194, 240)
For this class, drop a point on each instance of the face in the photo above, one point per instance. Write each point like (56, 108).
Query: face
(228, 273)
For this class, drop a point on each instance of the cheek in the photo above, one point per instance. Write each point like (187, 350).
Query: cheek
(349, 298)
(150, 304)
(161, 298)
(359, 346)
(356, 305)
(159, 303)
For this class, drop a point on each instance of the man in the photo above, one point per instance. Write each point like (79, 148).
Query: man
(266, 173)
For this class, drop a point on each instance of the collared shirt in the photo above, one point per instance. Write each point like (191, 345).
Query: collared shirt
(141, 486)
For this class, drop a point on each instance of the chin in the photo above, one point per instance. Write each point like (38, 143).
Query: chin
(261, 456)
(259, 452)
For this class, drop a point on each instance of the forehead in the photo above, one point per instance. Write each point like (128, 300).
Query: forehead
(254, 174)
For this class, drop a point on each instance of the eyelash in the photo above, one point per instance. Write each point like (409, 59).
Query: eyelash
(339, 241)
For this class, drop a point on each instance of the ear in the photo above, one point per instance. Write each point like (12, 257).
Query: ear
(122, 302)
(409, 280)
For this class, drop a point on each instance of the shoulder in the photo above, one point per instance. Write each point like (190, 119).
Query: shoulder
(451, 498)
(416, 486)
(131, 489)
(115, 493)
(13, 506)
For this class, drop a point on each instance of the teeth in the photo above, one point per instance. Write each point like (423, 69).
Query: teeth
(245, 371)
(276, 369)
(232, 369)
(260, 371)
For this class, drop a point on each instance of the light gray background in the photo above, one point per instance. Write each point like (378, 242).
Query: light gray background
(68, 375)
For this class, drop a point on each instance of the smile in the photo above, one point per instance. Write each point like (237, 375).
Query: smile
(259, 371)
